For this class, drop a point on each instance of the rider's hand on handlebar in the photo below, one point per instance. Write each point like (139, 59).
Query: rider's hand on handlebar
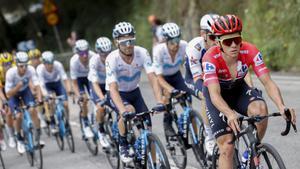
(159, 107)
(233, 123)
(289, 114)
(175, 93)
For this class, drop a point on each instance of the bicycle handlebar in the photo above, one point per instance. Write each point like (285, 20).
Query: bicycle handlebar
(259, 118)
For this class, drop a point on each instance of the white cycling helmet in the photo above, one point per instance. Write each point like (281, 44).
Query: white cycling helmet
(48, 57)
(208, 20)
(103, 44)
(123, 29)
(171, 30)
(81, 45)
(22, 57)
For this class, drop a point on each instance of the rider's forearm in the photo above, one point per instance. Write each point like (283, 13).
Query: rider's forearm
(115, 95)
(275, 94)
(75, 88)
(67, 85)
(97, 90)
(2, 96)
(218, 101)
(164, 84)
(13, 91)
(156, 87)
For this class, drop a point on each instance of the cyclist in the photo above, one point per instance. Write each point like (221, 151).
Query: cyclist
(96, 77)
(21, 82)
(34, 57)
(51, 73)
(167, 59)
(123, 72)
(79, 69)
(6, 62)
(225, 94)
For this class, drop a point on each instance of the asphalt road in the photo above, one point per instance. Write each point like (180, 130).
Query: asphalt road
(288, 147)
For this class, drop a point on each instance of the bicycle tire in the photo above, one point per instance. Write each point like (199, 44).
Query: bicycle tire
(265, 148)
(2, 161)
(91, 143)
(60, 141)
(28, 142)
(198, 148)
(152, 138)
(69, 137)
(112, 156)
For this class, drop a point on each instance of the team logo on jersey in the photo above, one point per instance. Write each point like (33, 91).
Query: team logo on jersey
(258, 60)
(193, 61)
(198, 46)
(209, 67)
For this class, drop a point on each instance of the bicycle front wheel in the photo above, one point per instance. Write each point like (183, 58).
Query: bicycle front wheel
(196, 134)
(269, 158)
(69, 136)
(156, 154)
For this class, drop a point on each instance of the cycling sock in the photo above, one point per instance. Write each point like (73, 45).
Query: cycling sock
(10, 131)
(52, 120)
(85, 121)
(19, 137)
(168, 118)
(123, 140)
(101, 127)
(208, 132)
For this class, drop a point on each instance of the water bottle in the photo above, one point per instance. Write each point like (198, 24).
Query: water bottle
(244, 159)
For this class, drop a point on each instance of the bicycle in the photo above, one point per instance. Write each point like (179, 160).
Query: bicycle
(32, 146)
(258, 154)
(92, 141)
(190, 133)
(64, 127)
(2, 122)
(148, 149)
(111, 129)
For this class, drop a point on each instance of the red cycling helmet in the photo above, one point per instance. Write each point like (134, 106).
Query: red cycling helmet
(227, 24)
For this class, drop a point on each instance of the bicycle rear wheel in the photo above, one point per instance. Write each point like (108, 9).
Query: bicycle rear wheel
(269, 158)
(155, 147)
(2, 161)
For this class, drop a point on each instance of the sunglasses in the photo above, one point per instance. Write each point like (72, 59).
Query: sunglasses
(83, 53)
(174, 41)
(127, 42)
(228, 42)
(212, 37)
(22, 65)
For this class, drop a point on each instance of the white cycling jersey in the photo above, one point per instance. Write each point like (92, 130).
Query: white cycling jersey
(58, 73)
(194, 53)
(126, 75)
(77, 69)
(13, 78)
(162, 60)
(97, 70)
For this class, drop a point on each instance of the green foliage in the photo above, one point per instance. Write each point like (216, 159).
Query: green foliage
(274, 27)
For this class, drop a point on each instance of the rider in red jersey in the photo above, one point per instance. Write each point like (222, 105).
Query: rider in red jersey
(225, 90)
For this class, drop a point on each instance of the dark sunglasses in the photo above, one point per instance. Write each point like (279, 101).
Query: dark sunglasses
(174, 41)
(212, 37)
(22, 65)
(228, 42)
(83, 53)
(127, 42)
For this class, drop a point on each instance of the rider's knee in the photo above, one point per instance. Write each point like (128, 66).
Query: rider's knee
(257, 108)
